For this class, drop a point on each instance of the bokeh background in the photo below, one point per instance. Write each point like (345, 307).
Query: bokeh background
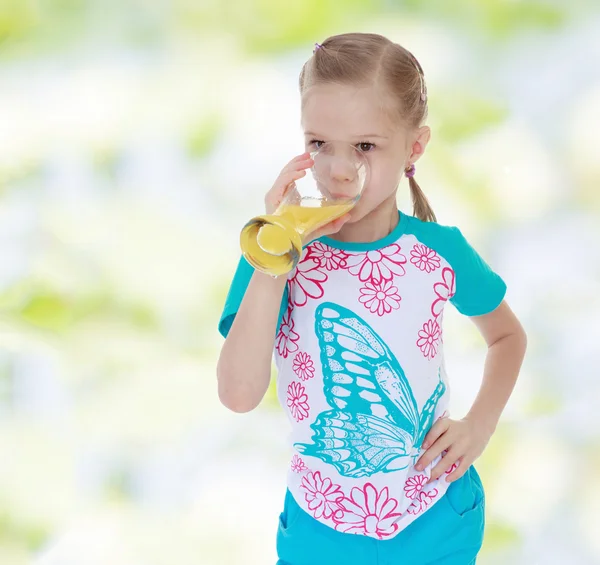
(136, 137)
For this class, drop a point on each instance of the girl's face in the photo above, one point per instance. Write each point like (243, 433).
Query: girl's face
(334, 112)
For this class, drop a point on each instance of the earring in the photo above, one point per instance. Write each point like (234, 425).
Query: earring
(410, 171)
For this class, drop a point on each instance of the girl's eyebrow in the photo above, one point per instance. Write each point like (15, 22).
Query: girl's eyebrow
(356, 136)
(373, 135)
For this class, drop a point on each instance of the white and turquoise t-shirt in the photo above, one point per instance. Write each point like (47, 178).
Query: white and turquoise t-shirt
(361, 374)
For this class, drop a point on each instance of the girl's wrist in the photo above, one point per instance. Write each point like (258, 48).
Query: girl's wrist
(274, 281)
(486, 423)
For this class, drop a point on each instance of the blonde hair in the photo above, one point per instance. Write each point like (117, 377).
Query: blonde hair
(372, 59)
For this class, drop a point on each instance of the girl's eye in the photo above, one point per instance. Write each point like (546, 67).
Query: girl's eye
(365, 146)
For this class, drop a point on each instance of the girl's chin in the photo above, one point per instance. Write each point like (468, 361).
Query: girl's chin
(359, 211)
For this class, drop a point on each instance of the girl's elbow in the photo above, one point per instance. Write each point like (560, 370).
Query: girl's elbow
(235, 400)
(520, 344)
(238, 405)
(522, 338)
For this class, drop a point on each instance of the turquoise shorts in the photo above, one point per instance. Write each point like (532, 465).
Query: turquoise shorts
(448, 533)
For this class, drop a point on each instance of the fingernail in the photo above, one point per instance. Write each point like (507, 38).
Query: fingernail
(425, 445)
(419, 467)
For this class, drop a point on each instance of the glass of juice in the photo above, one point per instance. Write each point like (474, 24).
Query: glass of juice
(272, 243)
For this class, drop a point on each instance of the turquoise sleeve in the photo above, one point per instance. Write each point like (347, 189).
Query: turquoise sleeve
(238, 287)
(479, 290)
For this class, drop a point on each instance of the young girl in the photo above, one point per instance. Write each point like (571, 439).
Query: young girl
(356, 331)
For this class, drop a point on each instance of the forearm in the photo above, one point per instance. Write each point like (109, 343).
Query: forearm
(244, 366)
(501, 369)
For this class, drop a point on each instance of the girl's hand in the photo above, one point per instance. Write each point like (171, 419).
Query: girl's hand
(327, 229)
(460, 441)
(295, 170)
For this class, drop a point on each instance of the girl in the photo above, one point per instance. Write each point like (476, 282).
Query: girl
(356, 331)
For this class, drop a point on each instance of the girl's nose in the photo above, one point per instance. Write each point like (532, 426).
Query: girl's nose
(342, 169)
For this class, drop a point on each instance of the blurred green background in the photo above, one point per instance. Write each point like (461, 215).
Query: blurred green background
(137, 137)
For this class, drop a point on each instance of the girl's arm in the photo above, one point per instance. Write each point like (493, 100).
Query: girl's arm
(244, 366)
(507, 341)
(463, 441)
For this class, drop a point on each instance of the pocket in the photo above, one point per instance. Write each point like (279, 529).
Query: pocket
(465, 497)
(291, 512)
(290, 543)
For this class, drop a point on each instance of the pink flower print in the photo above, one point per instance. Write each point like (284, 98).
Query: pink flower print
(428, 338)
(443, 415)
(452, 467)
(380, 297)
(297, 401)
(424, 259)
(368, 512)
(303, 366)
(298, 465)
(414, 485)
(307, 281)
(422, 501)
(321, 494)
(444, 290)
(286, 337)
(378, 265)
(327, 257)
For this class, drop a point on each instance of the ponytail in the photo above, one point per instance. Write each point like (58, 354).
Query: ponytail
(421, 207)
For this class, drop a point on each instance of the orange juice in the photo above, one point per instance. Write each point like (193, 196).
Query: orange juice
(273, 243)
(306, 218)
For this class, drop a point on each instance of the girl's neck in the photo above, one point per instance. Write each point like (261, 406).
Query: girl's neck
(376, 225)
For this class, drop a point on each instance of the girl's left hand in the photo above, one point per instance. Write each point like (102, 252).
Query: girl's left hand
(461, 441)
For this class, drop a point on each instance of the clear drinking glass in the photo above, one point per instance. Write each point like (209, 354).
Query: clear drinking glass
(272, 243)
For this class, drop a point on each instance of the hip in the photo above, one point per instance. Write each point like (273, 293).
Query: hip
(450, 532)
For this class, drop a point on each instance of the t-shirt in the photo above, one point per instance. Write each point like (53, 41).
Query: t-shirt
(361, 374)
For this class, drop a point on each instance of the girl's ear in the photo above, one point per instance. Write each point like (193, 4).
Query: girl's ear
(419, 143)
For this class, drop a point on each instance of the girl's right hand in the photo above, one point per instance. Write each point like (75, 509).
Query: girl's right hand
(295, 170)
(328, 229)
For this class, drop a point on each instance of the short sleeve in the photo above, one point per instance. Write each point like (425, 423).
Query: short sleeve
(236, 293)
(479, 290)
